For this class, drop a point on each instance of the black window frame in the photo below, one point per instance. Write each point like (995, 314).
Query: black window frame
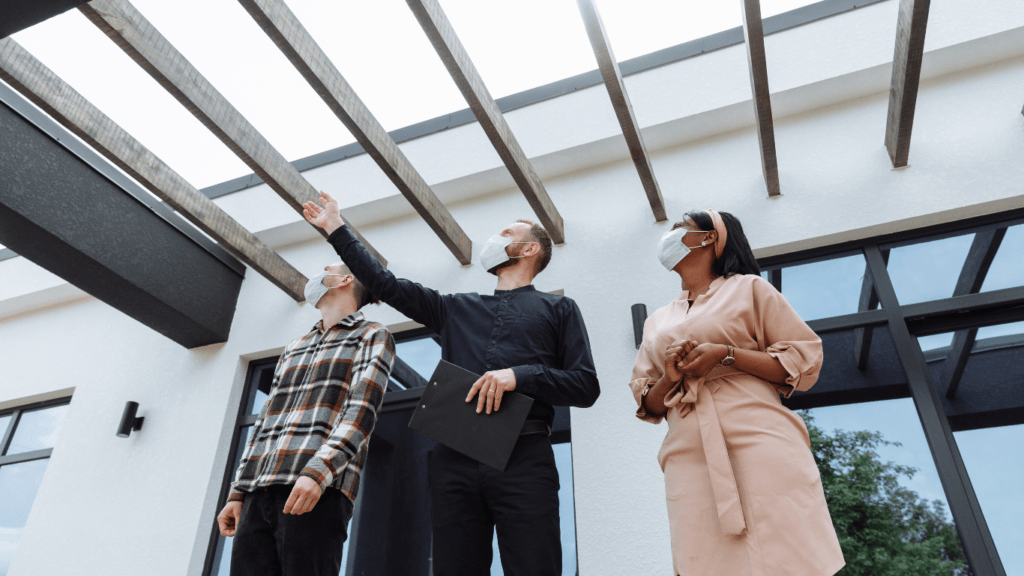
(8, 435)
(969, 310)
(243, 419)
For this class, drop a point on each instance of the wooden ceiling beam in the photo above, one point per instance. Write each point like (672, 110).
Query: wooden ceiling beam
(441, 34)
(753, 34)
(623, 108)
(284, 28)
(45, 89)
(141, 41)
(906, 77)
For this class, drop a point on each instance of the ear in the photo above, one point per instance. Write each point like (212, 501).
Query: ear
(346, 280)
(531, 249)
(710, 239)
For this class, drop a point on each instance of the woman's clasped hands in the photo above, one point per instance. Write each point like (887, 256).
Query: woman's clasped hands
(688, 357)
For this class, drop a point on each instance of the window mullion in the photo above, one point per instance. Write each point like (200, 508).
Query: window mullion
(963, 503)
(25, 456)
(6, 441)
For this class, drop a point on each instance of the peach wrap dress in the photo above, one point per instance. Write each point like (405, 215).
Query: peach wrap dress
(744, 494)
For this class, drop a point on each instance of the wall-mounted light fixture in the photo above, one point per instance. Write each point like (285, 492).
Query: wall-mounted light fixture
(639, 316)
(129, 421)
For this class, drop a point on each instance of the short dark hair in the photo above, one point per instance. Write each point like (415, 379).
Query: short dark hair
(737, 257)
(539, 235)
(359, 290)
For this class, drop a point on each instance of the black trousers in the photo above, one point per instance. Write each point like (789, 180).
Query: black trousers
(271, 543)
(468, 500)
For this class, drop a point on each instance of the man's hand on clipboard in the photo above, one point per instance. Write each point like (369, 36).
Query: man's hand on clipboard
(491, 386)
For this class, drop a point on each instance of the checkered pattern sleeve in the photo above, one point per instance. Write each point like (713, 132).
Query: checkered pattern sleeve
(371, 369)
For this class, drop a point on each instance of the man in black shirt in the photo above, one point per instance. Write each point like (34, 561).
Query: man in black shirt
(520, 339)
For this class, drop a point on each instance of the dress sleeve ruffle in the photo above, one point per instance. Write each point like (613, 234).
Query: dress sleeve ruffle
(802, 361)
(787, 338)
(647, 372)
(638, 386)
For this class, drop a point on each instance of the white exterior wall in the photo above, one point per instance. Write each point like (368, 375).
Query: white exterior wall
(112, 506)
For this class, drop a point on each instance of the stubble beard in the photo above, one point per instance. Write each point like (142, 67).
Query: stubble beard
(512, 260)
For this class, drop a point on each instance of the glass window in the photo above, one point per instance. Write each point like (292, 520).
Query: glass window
(261, 380)
(222, 557)
(37, 429)
(996, 469)
(422, 354)
(875, 444)
(825, 289)
(18, 486)
(935, 341)
(1006, 271)
(928, 270)
(1012, 329)
(33, 433)
(897, 422)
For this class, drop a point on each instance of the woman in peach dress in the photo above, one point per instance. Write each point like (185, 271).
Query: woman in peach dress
(744, 495)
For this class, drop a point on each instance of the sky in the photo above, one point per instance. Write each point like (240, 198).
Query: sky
(377, 46)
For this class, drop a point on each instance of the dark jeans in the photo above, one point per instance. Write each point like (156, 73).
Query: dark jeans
(271, 543)
(468, 500)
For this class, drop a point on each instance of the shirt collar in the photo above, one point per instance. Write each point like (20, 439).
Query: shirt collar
(712, 288)
(350, 321)
(527, 288)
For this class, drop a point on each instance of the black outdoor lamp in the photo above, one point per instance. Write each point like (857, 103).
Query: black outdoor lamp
(639, 316)
(129, 421)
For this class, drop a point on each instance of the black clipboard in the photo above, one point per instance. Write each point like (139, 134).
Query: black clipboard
(443, 415)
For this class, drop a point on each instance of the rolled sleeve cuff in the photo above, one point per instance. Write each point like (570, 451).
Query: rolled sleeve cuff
(638, 386)
(319, 471)
(796, 377)
(236, 496)
(526, 378)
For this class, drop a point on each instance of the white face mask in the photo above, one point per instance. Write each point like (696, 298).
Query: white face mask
(315, 288)
(494, 254)
(671, 249)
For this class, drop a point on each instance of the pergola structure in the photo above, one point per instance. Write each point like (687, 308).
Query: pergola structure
(110, 212)
(139, 39)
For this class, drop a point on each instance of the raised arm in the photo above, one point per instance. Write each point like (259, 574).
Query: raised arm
(575, 382)
(424, 305)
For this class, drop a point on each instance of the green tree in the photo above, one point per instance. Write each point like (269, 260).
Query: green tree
(884, 528)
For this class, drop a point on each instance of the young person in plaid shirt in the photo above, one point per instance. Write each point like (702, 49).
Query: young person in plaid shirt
(292, 497)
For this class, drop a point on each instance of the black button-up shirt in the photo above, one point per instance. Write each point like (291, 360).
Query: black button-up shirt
(540, 336)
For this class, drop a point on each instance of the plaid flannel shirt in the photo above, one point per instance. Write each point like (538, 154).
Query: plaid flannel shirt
(327, 389)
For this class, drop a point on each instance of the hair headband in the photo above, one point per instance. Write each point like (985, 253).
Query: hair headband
(720, 228)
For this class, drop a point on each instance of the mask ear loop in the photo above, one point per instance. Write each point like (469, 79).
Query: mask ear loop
(514, 257)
